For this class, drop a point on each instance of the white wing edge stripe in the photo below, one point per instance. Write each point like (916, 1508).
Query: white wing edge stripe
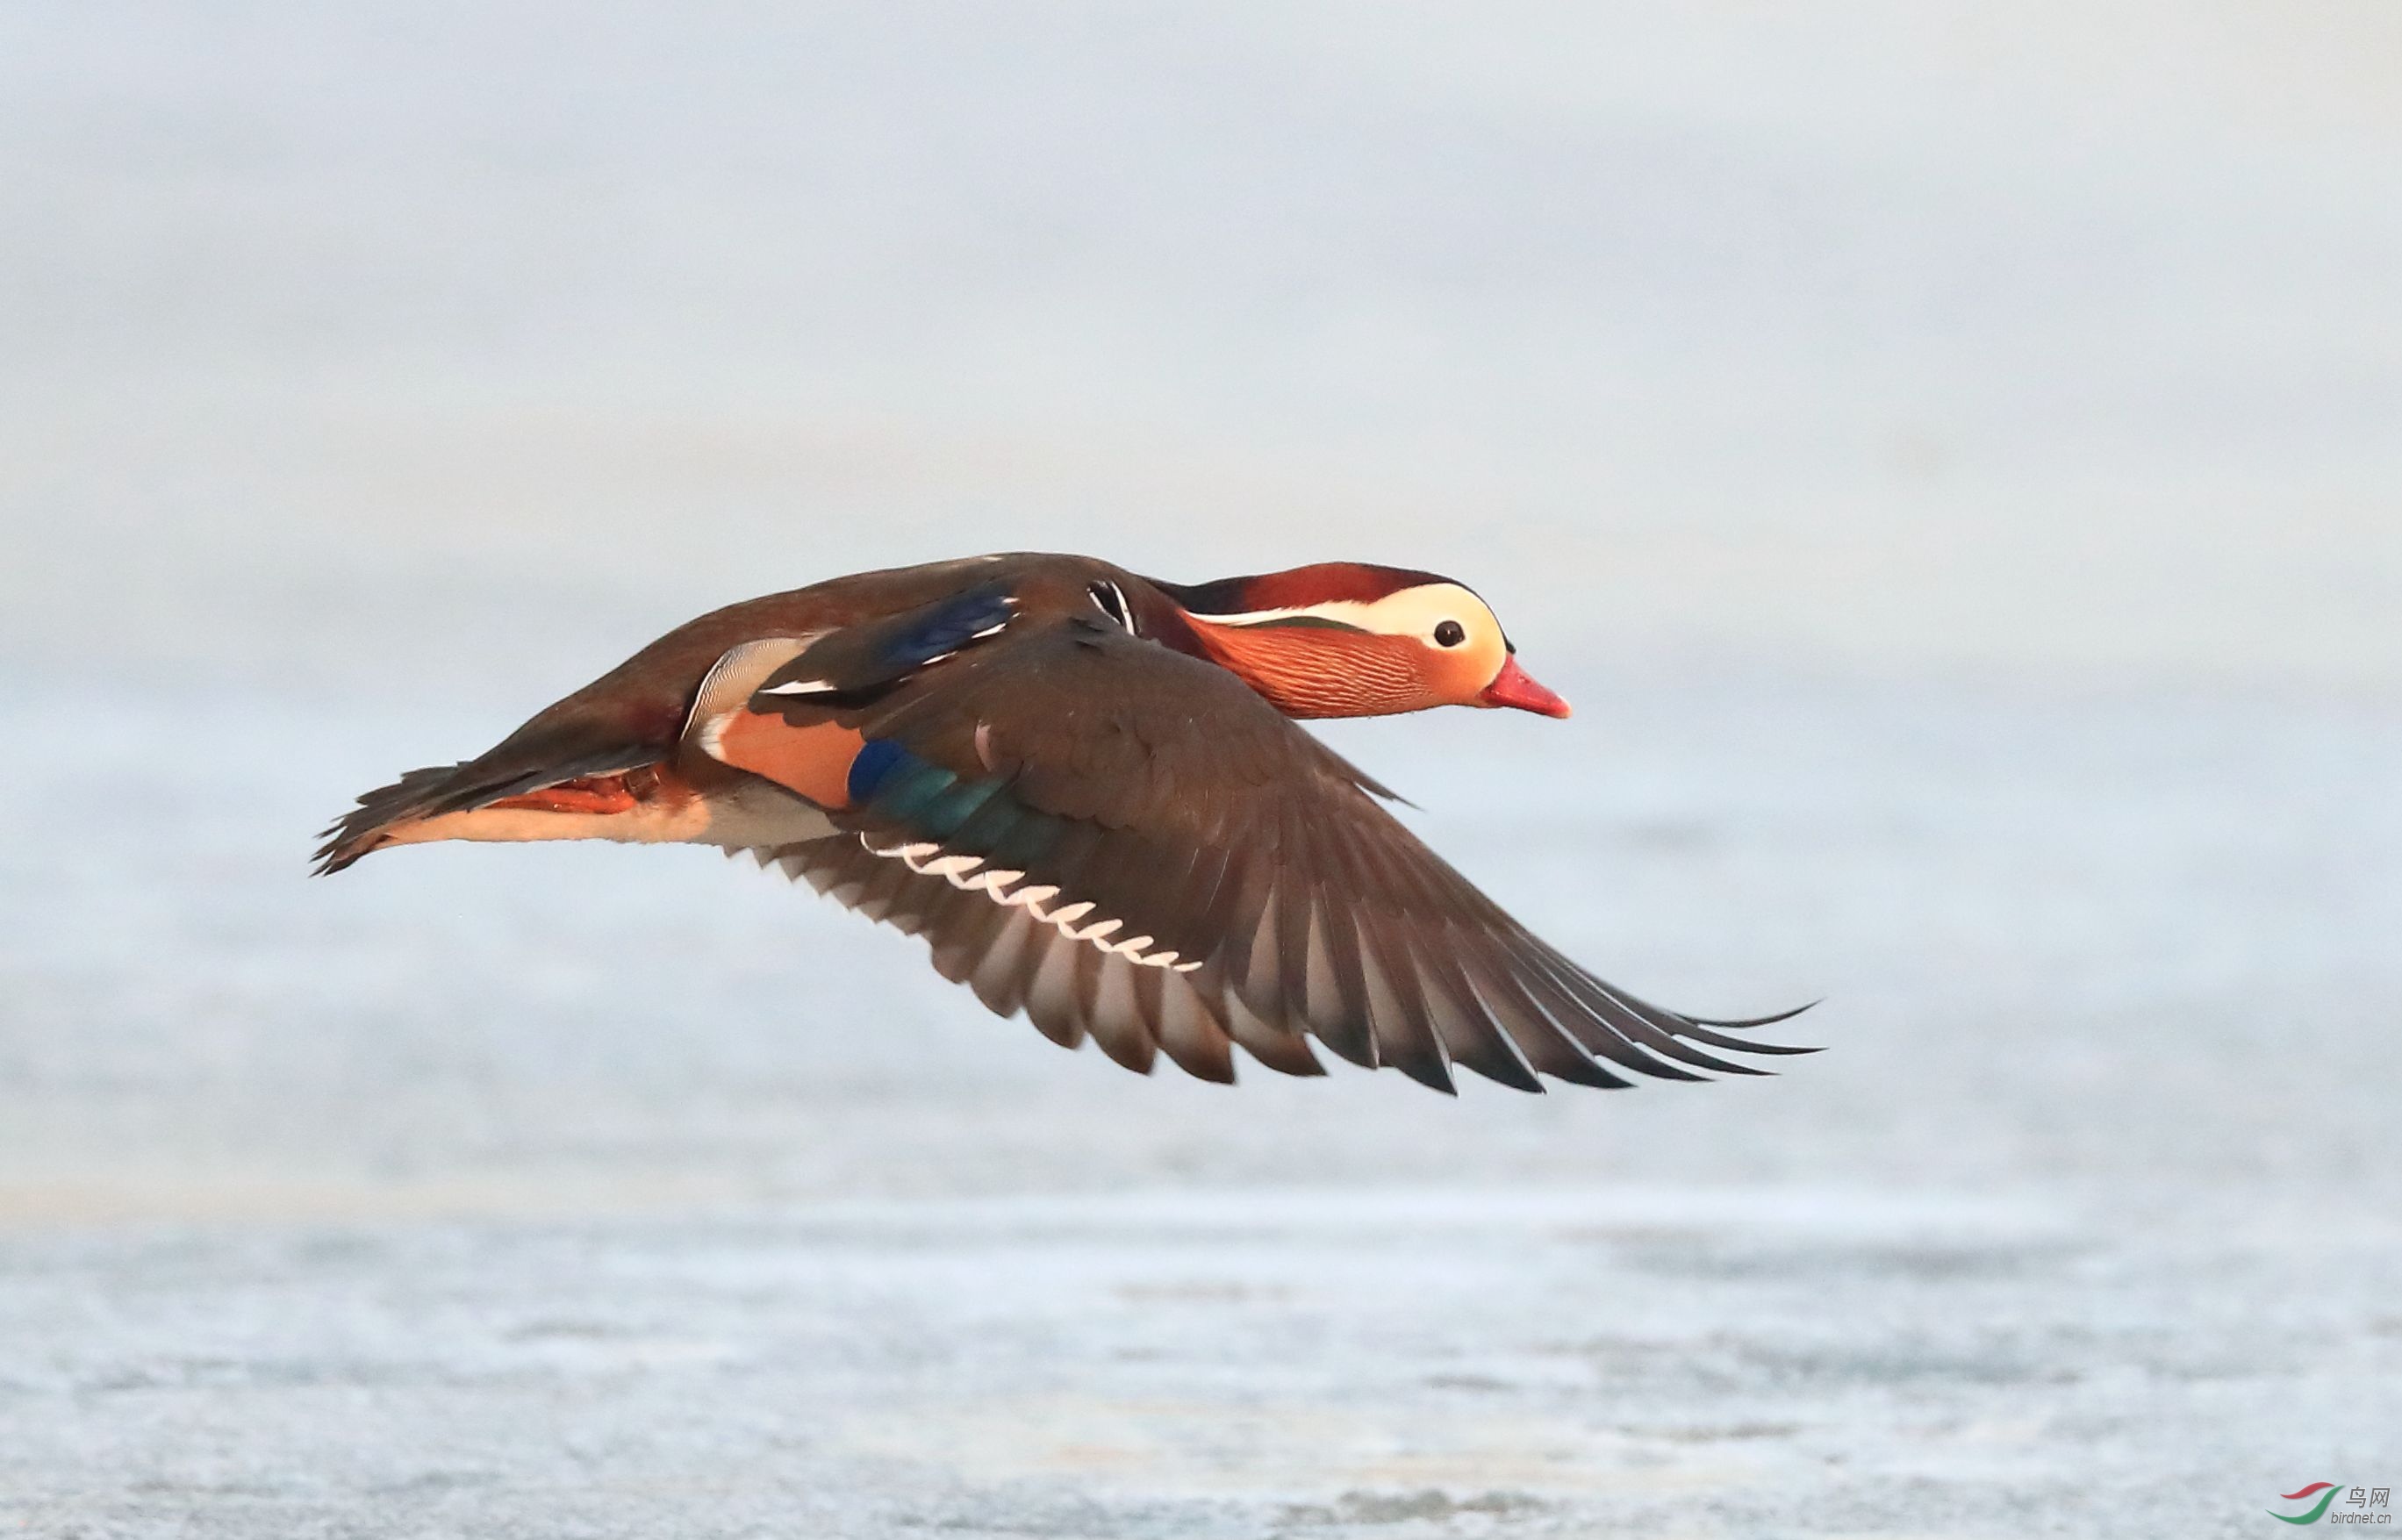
(1114, 605)
(956, 869)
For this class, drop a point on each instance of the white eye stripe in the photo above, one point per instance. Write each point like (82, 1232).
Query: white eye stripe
(1412, 612)
(964, 872)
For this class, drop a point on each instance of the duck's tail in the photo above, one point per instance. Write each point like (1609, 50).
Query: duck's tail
(591, 781)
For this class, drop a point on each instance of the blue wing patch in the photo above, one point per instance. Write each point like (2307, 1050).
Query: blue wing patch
(943, 628)
(859, 662)
(875, 762)
(891, 786)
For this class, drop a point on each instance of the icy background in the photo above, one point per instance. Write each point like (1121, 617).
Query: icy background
(1952, 456)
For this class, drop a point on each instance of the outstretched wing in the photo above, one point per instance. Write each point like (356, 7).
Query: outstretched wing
(1130, 844)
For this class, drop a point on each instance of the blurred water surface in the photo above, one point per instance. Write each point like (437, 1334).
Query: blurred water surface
(1954, 461)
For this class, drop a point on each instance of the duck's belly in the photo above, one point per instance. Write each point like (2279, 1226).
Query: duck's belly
(655, 806)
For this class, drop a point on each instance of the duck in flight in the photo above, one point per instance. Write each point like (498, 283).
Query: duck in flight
(1086, 791)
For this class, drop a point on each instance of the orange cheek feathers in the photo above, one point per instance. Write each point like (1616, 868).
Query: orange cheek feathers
(1319, 671)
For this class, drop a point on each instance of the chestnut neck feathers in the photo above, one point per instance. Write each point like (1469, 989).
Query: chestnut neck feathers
(1296, 587)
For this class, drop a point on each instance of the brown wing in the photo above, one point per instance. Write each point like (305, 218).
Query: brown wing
(1130, 844)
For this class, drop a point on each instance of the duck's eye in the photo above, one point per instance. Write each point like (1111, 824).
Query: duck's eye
(1450, 634)
(1112, 600)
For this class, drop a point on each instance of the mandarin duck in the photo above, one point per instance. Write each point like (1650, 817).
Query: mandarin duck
(1088, 790)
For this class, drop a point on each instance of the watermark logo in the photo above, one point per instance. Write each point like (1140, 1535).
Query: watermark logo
(2361, 1504)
